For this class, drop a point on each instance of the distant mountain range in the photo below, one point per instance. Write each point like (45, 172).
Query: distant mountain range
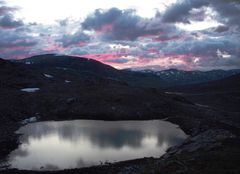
(223, 94)
(174, 77)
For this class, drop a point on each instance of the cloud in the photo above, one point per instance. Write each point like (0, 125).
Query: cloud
(206, 50)
(2, 2)
(221, 28)
(13, 39)
(185, 50)
(16, 43)
(8, 22)
(77, 39)
(227, 12)
(181, 11)
(116, 24)
(63, 22)
(5, 10)
(100, 18)
(122, 38)
(118, 60)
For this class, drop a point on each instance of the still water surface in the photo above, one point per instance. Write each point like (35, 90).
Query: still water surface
(59, 145)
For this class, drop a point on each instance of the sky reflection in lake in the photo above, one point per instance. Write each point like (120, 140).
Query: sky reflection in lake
(82, 143)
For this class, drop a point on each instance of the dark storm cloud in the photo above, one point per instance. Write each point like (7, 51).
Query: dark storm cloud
(207, 50)
(118, 24)
(181, 11)
(13, 39)
(206, 43)
(100, 18)
(8, 22)
(168, 37)
(221, 29)
(15, 44)
(203, 47)
(77, 39)
(228, 12)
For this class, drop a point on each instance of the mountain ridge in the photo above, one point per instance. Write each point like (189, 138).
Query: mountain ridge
(189, 77)
(146, 78)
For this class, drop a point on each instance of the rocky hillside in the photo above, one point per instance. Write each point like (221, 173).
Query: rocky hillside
(145, 78)
(222, 94)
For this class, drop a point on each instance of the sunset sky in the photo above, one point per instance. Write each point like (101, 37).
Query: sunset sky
(154, 34)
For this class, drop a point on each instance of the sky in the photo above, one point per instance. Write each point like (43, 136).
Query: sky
(153, 34)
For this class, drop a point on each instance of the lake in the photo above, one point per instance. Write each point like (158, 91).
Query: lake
(57, 145)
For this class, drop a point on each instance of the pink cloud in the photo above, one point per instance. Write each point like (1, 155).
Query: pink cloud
(104, 28)
(152, 50)
(51, 45)
(104, 57)
(184, 61)
(7, 27)
(166, 39)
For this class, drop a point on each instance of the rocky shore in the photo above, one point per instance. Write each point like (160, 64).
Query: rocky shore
(212, 147)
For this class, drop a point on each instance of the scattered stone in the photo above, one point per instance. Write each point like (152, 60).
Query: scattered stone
(29, 120)
(205, 141)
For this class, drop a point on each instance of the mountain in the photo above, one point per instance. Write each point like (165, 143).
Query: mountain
(73, 87)
(231, 83)
(224, 94)
(174, 77)
(92, 68)
(70, 63)
(144, 78)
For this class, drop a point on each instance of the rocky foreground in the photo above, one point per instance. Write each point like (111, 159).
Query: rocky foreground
(212, 146)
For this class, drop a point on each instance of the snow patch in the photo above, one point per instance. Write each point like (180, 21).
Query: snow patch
(68, 81)
(200, 105)
(30, 89)
(48, 76)
(62, 68)
(174, 93)
(28, 63)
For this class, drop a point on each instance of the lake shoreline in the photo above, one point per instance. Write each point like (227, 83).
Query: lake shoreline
(206, 136)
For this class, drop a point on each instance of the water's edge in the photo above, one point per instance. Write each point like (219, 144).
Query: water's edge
(194, 127)
(168, 133)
